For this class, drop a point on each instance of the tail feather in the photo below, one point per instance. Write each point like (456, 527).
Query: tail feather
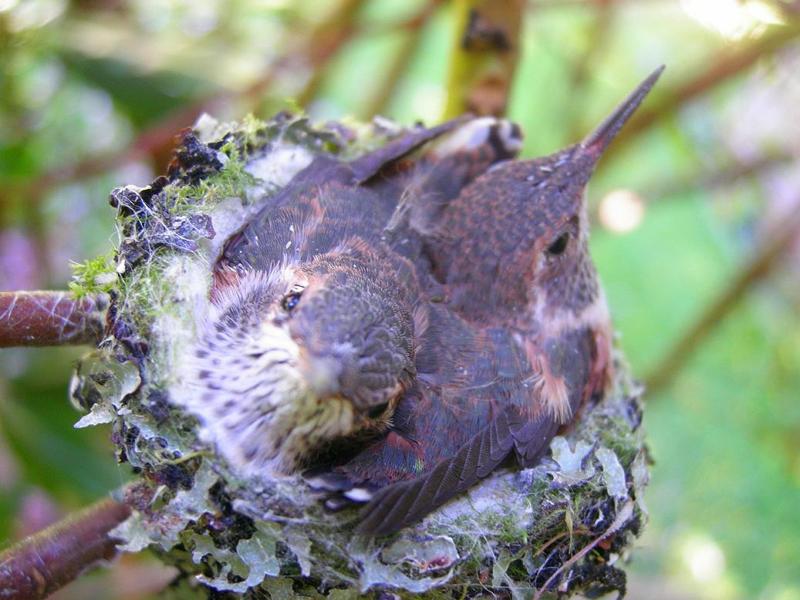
(394, 506)
(404, 503)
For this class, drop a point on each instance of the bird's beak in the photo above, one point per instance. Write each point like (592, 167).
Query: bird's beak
(596, 142)
(320, 373)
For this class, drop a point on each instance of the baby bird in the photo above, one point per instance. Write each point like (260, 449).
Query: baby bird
(400, 326)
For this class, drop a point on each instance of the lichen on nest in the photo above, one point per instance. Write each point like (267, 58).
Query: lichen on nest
(563, 525)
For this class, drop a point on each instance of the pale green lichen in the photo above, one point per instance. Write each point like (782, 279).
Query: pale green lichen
(99, 385)
(613, 473)
(507, 536)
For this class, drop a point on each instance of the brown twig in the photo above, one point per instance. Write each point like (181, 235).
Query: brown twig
(412, 23)
(149, 141)
(728, 65)
(623, 516)
(402, 59)
(50, 319)
(325, 42)
(765, 259)
(319, 46)
(484, 55)
(719, 178)
(43, 563)
(537, 4)
(597, 39)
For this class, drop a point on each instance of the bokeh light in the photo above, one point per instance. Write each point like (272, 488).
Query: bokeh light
(621, 211)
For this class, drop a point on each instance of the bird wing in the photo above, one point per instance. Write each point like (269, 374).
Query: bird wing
(404, 502)
(401, 504)
(525, 420)
(371, 164)
(391, 474)
(331, 200)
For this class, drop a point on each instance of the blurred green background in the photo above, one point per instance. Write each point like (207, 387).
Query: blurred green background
(93, 91)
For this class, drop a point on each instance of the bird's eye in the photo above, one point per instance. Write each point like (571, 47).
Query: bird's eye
(290, 301)
(559, 245)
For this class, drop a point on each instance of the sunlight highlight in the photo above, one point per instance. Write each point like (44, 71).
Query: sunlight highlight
(733, 19)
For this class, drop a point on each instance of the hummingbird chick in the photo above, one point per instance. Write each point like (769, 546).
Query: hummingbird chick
(401, 326)
(300, 355)
(311, 334)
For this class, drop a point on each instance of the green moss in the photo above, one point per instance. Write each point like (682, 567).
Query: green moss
(615, 434)
(143, 292)
(232, 181)
(539, 488)
(546, 525)
(94, 276)
(253, 130)
(505, 527)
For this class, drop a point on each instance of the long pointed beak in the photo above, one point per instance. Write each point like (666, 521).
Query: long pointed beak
(596, 142)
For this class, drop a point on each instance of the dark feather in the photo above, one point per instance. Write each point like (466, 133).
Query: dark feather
(368, 166)
(532, 438)
(404, 503)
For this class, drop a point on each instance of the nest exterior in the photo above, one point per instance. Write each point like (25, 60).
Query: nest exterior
(558, 529)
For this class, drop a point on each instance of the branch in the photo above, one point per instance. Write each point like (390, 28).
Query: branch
(44, 562)
(623, 516)
(727, 66)
(598, 37)
(50, 319)
(538, 4)
(318, 46)
(721, 177)
(707, 180)
(324, 43)
(484, 55)
(412, 23)
(405, 53)
(763, 262)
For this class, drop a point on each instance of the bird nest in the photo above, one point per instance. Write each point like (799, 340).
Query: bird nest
(562, 527)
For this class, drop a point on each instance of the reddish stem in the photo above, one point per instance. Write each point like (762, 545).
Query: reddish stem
(766, 257)
(50, 319)
(319, 47)
(721, 177)
(728, 65)
(45, 562)
(598, 36)
(324, 44)
(402, 59)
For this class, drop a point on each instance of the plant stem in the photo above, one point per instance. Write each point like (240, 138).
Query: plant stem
(598, 37)
(325, 42)
(46, 561)
(50, 319)
(727, 66)
(402, 59)
(483, 56)
(317, 48)
(765, 259)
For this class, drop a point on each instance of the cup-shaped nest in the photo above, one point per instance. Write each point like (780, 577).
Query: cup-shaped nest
(561, 527)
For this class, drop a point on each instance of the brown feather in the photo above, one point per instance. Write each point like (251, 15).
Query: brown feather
(401, 504)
